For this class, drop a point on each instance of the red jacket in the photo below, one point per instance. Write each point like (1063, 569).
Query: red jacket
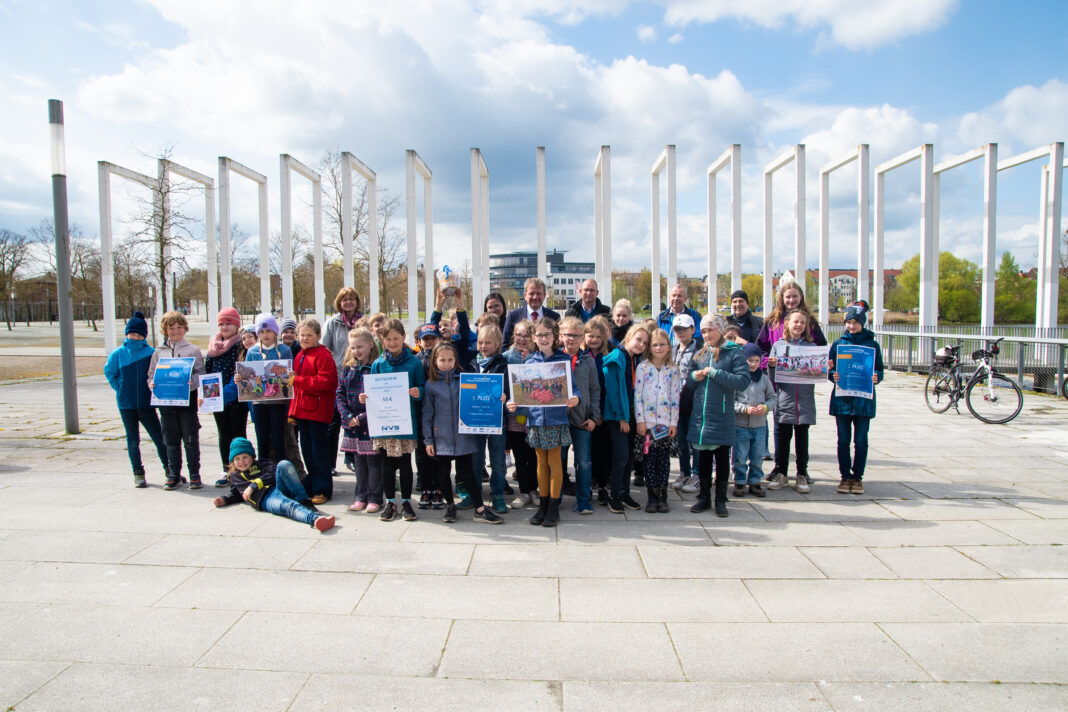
(314, 385)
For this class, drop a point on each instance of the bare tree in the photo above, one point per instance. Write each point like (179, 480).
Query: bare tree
(84, 263)
(14, 253)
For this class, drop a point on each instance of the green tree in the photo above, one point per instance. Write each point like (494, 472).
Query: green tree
(958, 288)
(753, 284)
(1014, 300)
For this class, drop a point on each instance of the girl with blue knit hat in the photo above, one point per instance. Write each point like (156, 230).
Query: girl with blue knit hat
(269, 419)
(853, 414)
(269, 487)
(127, 373)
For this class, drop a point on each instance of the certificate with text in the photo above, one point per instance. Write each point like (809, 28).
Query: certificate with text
(481, 409)
(855, 366)
(171, 381)
(389, 410)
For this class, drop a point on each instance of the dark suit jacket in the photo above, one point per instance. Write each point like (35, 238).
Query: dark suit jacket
(519, 315)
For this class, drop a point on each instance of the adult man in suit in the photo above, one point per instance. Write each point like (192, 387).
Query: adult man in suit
(534, 298)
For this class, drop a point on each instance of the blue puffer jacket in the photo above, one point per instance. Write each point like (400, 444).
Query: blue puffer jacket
(127, 372)
(540, 417)
(441, 411)
(712, 420)
(617, 404)
(851, 405)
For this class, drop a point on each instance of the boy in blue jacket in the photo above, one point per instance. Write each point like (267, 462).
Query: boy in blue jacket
(127, 373)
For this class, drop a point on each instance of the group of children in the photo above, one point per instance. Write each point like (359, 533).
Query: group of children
(637, 402)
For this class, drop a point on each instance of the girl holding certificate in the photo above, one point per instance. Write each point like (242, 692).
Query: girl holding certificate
(853, 413)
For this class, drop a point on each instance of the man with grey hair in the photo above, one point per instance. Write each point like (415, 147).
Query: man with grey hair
(677, 305)
(588, 304)
(533, 309)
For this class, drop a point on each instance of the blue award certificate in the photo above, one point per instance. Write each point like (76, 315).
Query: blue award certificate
(171, 381)
(855, 366)
(481, 410)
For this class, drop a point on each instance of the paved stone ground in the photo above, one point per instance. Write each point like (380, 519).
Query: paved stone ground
(943, 586)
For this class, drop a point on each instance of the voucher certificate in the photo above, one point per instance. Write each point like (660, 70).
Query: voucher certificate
(389, 410)
(855, 366)
(171, 381)
(481, 410)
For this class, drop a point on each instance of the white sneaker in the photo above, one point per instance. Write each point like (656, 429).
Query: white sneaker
(693, 484)
(679, 482)
(520, 501)
(801, 485)
(508, 459)
(776, 481)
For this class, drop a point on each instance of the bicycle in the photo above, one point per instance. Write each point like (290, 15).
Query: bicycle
(990, 396)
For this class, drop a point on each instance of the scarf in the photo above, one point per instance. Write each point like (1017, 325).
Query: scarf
(219, 345)
(482, 361)
(618, 332)
(396, 361)
(350, 324)
(754, 376)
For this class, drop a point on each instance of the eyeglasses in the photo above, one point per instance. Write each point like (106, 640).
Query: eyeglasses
(543, 336)
(571, 336)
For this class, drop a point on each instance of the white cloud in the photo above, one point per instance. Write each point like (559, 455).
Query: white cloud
(676, 38)
(647, 34)
(1026, 117)
(854, 25)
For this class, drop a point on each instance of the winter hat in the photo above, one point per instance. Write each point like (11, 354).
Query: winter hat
(714, 320)
(288, 323)
(241, 446)
(228, 315)
(266, 321)
(750, 350)
(740, 293)
(137, 325)
(428, 330)
(250, 329)
(857, 311)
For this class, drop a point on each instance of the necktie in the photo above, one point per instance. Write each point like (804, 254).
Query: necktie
(533, 316)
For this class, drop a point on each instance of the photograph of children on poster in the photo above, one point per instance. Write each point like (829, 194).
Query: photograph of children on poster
(799, 364)
(259, 381)
(211, 396)
(540, 384)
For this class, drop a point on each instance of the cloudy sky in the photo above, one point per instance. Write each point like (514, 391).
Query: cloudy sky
(251, 80)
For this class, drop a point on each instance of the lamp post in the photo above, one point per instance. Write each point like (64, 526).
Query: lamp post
(63, 303)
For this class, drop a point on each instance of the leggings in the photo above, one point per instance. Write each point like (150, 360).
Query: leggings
(390, 466)
(721, 458)
(656, 466)
(600, 460)
(180, 426)
(550, 472)
(523, 455)
(284, 498)
(231, 423)
(464, 473)
(270, 425)
(782, 448)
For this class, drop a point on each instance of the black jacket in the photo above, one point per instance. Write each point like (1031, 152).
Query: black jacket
(519, 315)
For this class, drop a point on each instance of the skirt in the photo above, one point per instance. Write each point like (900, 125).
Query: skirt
(351, 443)
(395, 447)
(547, 437)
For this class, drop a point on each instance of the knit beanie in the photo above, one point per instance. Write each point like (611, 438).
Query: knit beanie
(241, 446)
(740, 293)
(137, 325)
(228, 315)
(288, 323)
(714, 320)
(750, 350)
(266, 321)
(857, 312)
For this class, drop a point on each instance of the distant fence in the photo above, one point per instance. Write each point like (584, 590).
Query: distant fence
(1034, 356)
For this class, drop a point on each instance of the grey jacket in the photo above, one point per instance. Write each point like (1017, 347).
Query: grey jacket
(760, 392)
(441, 416)
(796, 402)
(587, 386)
(336, 338)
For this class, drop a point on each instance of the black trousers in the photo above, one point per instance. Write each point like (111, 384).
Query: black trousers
(231, 422)
(180, 428)
(526, 472)
(720, 458)
(464, 474)
(782, 447)
(390, 466)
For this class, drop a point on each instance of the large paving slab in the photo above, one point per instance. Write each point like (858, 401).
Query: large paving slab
(945, 585)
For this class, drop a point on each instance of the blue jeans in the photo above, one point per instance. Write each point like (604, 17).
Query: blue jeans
(496, 457)
(859, 425)
(284, 498)
(580, 442)
(749, 448)
(146, 417)
(314, 447)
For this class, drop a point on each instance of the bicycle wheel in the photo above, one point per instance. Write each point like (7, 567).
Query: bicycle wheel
(994, 398)
(938, 389)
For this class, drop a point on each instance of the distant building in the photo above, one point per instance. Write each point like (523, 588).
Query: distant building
(510, 270)
(843, 282)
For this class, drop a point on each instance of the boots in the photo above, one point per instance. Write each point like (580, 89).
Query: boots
(661, 502)
(654, 495)
(721, 496)
(552, 516)
(704, 497)
(543, 510)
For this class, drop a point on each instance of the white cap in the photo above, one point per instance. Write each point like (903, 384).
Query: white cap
(682, 321)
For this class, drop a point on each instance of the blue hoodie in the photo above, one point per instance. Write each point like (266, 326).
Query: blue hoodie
(127, 372)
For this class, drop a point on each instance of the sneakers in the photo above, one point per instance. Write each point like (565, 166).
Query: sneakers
(424, 500)
(358, 506)
(801, 484)
(845, 486)
(693, 484)
(223, 481)
(498, 504)
(629, 502)
(582, 508)
(173, 482)
(465, 503)
(739, 490)
(450, 514)
(776, 481)
(319, 499)
(487, 516)
(680, 481)
(388, 512)
(436, 500)
(520, 501)
(194, 482)
(407, 512)
(615, 506)
(373, 507)
(757, 491)
(323, 523)
(139, 479)
(857, 488)
(602, 496)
